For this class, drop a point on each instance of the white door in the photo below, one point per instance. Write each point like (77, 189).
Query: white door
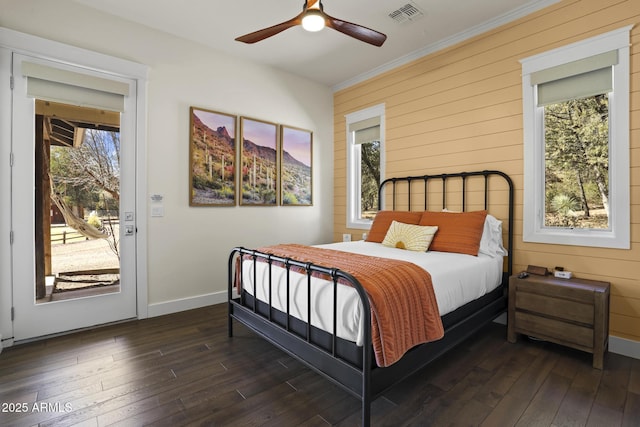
(69, 85)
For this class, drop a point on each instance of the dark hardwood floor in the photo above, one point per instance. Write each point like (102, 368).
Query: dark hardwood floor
(182, 369)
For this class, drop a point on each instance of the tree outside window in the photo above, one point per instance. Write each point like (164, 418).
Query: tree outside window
(88, 178)
(370, 178)
(576, 134)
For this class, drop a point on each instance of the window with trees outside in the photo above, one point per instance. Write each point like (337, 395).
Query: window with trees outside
(365, 164)
(576, 125)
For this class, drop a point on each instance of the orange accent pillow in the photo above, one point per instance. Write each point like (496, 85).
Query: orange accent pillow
(458, 232)
(383, 220)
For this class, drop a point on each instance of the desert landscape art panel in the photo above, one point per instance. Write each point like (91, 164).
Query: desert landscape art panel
(296, 166)
(259, 162)
(212, 146)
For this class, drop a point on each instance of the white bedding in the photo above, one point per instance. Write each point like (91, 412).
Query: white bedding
(457, 279)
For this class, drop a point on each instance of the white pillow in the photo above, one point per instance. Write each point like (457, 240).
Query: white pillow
(491, 241)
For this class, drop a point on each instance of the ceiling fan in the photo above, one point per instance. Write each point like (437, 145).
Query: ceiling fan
(313, 18)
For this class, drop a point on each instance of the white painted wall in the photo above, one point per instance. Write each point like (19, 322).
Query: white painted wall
(188, 247)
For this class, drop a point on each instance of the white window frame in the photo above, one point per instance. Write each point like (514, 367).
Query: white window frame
(353, 164)
(618, 233)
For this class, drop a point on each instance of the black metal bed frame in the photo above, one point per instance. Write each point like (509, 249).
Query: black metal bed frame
(351, 367)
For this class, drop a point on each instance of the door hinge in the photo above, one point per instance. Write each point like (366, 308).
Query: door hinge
(13, 313)
(11, 159)
(11, 82)
(11, 237)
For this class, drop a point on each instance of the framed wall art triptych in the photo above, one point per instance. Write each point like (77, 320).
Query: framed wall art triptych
(296, 161)
(241, 160)
(212, 153)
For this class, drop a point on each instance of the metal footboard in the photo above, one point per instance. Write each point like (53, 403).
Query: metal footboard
(260, 316)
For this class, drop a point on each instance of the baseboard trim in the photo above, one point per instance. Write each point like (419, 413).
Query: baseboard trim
(183, 304)
(624, 347)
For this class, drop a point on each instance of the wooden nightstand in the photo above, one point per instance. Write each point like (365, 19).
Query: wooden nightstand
(572, 312)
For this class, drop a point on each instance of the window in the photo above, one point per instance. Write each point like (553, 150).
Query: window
(576, 143)
(365, 164)
(576, 160)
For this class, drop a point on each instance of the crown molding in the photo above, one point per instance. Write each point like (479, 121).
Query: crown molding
(531, 7)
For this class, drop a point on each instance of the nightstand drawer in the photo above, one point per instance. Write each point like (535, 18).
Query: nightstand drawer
(560, 308)
(553, 330)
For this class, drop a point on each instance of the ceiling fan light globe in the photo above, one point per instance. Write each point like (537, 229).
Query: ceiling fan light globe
(313, 21)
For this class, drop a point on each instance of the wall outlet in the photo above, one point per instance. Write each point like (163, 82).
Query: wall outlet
(346, 237)
(157, 211)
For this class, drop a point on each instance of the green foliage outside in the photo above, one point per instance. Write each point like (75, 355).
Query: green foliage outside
(577, 163)
(88, 176)
(94, 220)
(370, 171)
(68, 182)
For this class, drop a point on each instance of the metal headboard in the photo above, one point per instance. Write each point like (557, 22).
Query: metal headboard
(444, 178)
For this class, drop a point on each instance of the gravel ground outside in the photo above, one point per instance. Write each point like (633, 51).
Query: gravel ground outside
(83, 255)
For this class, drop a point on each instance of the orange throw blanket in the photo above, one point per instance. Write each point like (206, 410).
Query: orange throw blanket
(404, 310)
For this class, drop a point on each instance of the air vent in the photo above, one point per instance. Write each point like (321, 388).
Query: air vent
(406, 13)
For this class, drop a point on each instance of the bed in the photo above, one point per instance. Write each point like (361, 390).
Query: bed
(274, 291)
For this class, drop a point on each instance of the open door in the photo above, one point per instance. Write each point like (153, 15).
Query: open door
(73, 197)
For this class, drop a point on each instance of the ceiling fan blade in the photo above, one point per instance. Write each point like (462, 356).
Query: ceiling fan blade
(356, 31)
(359, 32)
(259, 35)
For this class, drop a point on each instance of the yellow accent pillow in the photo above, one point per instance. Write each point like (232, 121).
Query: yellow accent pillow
(409, 236)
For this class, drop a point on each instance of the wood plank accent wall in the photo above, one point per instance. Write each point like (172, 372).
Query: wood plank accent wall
(461, 109)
